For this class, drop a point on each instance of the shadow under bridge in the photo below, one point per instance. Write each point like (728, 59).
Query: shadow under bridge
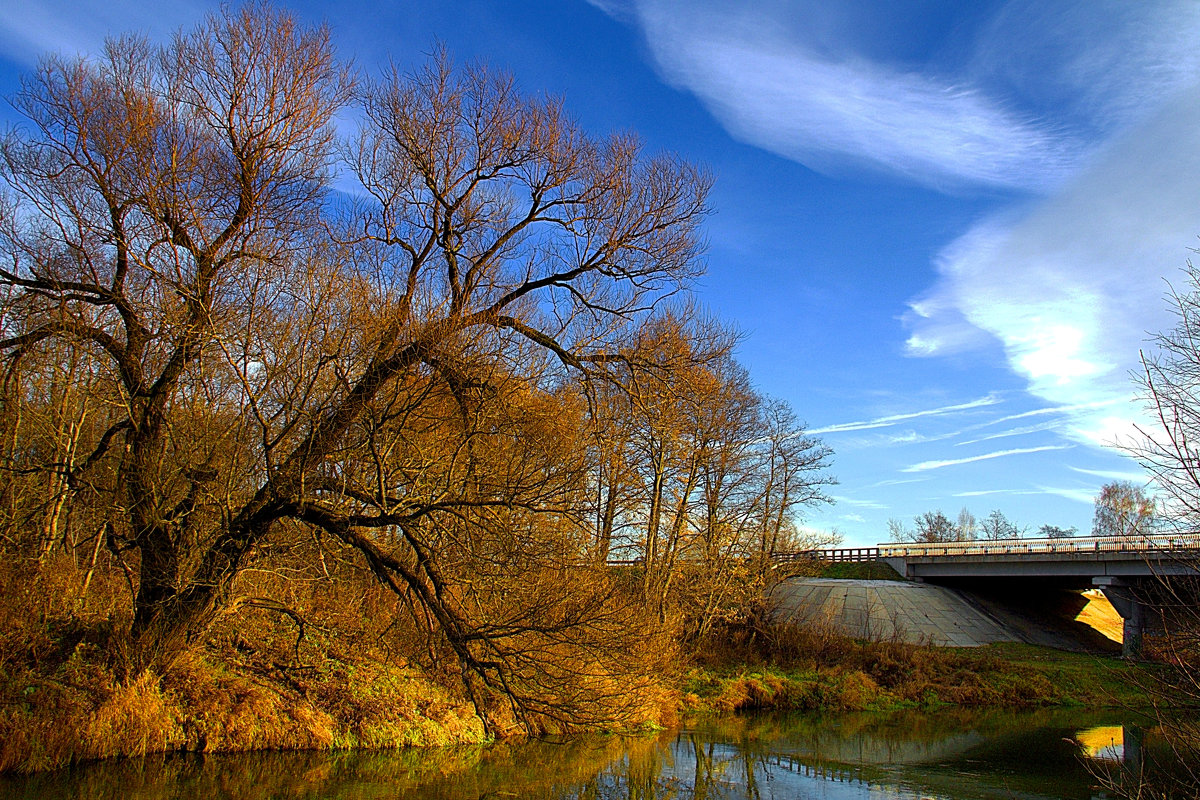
(1136, 573)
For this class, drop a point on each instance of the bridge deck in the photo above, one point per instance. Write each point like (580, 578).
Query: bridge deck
(1155, 548)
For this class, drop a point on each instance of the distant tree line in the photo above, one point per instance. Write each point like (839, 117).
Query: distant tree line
(1122, 508)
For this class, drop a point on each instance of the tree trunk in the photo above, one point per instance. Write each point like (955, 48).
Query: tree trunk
(166, 627)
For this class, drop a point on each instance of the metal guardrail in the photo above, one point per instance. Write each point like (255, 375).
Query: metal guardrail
(840, 554)
(1157, 545)
(1149, 544)
(1163, 545)
(837, 554)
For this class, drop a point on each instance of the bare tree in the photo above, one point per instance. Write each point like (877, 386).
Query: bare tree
(932, 526)
(703, 475)
(966, 528)
(153, 187)
(612, 460)
(996, 526)
(1123, 509)
(397, 384)
(793, 476)
(680, 410)
(1170, 385)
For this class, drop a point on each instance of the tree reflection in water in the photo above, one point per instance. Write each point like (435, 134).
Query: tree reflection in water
(761, 757)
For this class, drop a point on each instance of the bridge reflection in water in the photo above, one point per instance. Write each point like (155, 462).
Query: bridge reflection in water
(989, 758)
(945, 756)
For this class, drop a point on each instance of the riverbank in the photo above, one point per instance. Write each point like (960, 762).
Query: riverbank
(260, 681)
(891, 676)
(348, 678)
(82, 712)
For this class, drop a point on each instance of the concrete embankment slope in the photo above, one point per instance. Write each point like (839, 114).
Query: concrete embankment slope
(923, 613)
(889, 610)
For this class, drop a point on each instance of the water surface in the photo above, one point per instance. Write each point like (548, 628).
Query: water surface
(912, 756)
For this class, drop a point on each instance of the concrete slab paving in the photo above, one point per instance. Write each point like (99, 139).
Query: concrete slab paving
(885, 610)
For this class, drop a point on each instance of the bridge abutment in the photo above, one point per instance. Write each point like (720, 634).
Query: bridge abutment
(1130, 570)
(1124, 599)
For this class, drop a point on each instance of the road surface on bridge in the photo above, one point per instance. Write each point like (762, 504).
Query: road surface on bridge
(1083, 558)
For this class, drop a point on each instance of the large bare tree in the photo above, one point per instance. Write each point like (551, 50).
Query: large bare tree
(386, 366)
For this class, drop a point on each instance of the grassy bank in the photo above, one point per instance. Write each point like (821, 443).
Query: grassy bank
(815, 669)
(358, 674)
(254, 684)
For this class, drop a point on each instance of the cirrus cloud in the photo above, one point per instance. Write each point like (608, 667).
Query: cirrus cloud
(781, 92)
(925, 466)
(1071, 286)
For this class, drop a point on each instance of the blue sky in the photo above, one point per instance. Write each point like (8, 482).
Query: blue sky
(945, 227)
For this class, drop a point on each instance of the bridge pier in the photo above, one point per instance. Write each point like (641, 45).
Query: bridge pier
(1123, 598)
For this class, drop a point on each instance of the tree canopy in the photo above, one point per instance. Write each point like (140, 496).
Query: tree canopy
(1124, 508)
(473, 371)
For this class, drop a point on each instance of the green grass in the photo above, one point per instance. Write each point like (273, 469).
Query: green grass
(862, 571)
(1085, 679)
(792, 668)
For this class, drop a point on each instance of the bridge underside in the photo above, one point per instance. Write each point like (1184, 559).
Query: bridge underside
(1147, 578)
(955, 614)
(1135, 587)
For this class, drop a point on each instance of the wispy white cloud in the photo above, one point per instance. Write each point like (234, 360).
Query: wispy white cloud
(1024, 430)
(619, 9)
(906, 437)
(1087, 496)
(1113, 475)
(1067, 409)
(31, 28)
(1033, 91)
(1095, 61)
(1070, 287)
(771, 84)
(1081, 102)
(896, 482)
(925, 466)
(850, 501)
(893, 419)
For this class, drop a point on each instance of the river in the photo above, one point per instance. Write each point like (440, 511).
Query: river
(910, 756)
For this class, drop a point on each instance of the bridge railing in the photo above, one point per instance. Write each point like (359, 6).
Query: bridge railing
(837, 554)
(1157, 544)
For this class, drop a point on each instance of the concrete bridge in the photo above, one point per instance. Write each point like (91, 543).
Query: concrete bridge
(1128, 569)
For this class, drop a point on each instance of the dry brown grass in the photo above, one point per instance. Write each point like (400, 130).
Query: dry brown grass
(253, 686)
(364, 674)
